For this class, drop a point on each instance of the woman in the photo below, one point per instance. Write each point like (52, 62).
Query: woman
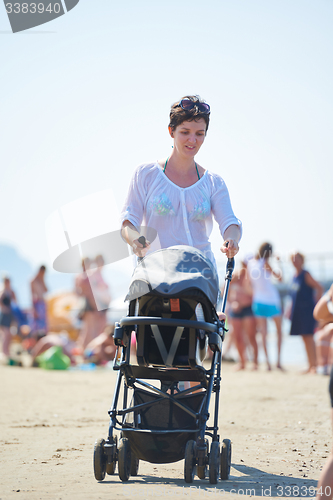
(7, 296)
(89, 314)
(266, 299)
(38, 291)
(303, 291)
(241, 315)
(178, 197)
(323, 311)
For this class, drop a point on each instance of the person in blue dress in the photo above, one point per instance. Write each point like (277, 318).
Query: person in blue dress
(305, 292)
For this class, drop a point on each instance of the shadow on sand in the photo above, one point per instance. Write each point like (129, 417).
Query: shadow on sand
(253, 482)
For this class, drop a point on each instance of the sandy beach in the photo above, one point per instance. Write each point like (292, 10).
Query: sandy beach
(279, 425)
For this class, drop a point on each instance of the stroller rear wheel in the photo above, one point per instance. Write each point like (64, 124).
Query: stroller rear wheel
(124, 459)
(225, 458)
(189, 464)
(214, 462)
(134, 465)
(202, 469)
(99, 460)
(111, 468)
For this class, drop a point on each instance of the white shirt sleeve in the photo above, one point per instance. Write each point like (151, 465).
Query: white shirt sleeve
(134, 205)
(221, 206)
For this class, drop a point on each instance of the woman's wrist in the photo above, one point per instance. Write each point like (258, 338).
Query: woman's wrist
(129, 233)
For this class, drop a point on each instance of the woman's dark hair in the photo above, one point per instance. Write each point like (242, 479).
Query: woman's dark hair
(179, 115)
(265, 251)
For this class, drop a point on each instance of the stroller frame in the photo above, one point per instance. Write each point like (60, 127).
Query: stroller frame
(193, 401)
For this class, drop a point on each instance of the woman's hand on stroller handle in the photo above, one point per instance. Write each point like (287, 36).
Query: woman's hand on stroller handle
(140, 246)
(230, 248)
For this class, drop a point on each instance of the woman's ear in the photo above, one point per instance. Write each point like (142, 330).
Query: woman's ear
(170, 131)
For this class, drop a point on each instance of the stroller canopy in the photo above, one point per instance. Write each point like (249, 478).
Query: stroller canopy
(173, 270)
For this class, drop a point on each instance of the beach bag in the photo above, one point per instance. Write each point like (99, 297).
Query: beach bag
(53, 359)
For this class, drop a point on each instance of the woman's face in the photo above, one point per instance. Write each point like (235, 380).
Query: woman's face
(189, 136)
(297, 261)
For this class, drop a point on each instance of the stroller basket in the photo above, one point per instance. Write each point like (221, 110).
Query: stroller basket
(150, 439)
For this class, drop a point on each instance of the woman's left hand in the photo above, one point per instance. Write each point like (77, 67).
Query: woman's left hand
(230, 248)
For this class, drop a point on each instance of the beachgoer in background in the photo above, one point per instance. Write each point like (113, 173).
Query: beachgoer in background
(54, 339)
(323, 311)
(102, 348)
(241, 315)
(90, 327)
(7, 296)
(38, 290)
(305, 292)
(266, 300)
(100, 291)
(324, 335)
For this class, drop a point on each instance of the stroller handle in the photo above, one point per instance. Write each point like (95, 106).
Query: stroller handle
(153, 320)
(142, 240)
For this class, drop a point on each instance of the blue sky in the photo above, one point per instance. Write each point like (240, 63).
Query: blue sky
(85, 99)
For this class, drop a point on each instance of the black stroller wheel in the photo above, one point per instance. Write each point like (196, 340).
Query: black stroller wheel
(202, 469)
(189, 463)
(124, 459)
(111, 468)
(225, 458)
(214, 462)
(99, 460)
(134, 465)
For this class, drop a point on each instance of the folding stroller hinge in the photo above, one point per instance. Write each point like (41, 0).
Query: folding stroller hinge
(204, 417)
(222, 330)
(216, 385)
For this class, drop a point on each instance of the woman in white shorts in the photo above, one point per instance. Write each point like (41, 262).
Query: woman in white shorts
(266, 299)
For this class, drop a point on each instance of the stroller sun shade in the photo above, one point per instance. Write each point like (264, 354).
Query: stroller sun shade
(173, 270)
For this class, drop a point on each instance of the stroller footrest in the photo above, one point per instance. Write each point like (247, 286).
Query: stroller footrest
(196, 375)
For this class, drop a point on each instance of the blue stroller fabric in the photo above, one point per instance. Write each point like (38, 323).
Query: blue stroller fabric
(171, 271)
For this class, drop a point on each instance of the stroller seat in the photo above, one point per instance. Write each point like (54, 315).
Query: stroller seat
(169, 346)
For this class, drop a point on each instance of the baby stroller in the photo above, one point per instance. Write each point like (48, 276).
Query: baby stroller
(162, 421)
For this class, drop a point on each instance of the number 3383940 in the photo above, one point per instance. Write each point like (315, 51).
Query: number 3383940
(32, 8)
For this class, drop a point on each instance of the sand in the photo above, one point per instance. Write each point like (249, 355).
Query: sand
(279, 425)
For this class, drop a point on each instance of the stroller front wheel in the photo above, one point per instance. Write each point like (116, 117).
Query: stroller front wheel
(189, 464)
(134, 465)
(124, 459)
(225, 458)
(99, 460)
(214, 462)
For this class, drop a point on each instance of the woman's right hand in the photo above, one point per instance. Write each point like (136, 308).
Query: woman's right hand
(139, 249)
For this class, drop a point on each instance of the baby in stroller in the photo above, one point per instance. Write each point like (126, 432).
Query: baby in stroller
(160, 421)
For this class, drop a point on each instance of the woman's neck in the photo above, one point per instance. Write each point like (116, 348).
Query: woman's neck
(180, 165)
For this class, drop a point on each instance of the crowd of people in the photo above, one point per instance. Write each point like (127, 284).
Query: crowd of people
(254, 300)
(94, 342)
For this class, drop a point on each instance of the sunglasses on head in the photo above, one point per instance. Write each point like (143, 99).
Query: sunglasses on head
(188, 105)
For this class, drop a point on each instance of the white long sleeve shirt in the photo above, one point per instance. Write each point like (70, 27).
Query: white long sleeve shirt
(181, 216)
